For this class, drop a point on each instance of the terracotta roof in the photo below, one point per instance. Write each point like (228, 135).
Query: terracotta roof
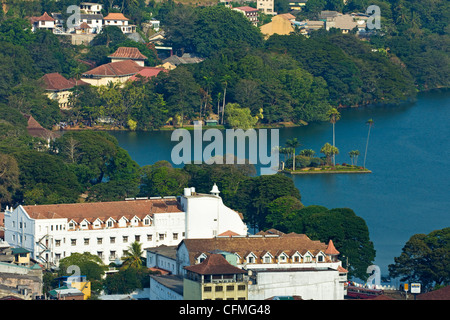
(128, 53)
(331, 249)
(103, 210)
(44, 17)
(287, 16)
(115, 16)
(34, 129)
(439, 294)
(56, 82)
(215, 264)
(246, 9)
(258, 245)
(147, 72)
(115, 69)
(228, 233)
(84, 25)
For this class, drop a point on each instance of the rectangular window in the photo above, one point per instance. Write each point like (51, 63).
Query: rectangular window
(125, 239)
(175, 236)
(112, 240)
(230, 288)
(86, 241)
(207, 289)
(219, 288)
(99, 240)
(241, 287)
(137, 238)
(149, 237)
(57, 243)
(73, 242)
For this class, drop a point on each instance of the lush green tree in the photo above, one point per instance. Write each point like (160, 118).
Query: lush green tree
(9, 178)
(133, 256)
(281, 212)
(239, 117)
(254, 194)
(161, 179)
(219, 27)
(349, 233)
(424, 259)
(45, 179)
(89, 265)
(329, 151)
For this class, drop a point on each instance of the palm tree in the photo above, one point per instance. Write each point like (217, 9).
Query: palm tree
(226, 78)
(308, 153)
(370, 123)
(334, 116)
(329, 151)
(293, 144)
(133, 256)
(354, 156)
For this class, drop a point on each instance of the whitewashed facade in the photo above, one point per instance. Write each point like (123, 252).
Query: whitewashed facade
(53, 232)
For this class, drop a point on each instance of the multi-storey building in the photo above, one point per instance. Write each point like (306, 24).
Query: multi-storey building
(266, 6)
(215, 279)
(250, 13)
(277, 264)
(107, 229)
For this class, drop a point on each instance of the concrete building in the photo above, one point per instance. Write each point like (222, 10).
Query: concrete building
(249, 12)
(266, 6)
(215, 279)
(43, 22)
(119, 20)
(277, 265)
(107, 229)
(128, 53)
(91, 8)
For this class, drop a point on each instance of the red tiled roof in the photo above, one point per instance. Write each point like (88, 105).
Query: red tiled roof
(246, 9)
(34, 129)
(147, 72)
(44, 17)
(215, 264)
(115, 16)
(55, 81)
(128, 53)
(331, 249)
(439, 294)
(259, 245)
(228, 233)
(112, 69)
(103, 210)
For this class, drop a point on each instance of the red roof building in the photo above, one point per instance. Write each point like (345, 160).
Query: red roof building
(148, 73)
(119, 71)
(128, 53)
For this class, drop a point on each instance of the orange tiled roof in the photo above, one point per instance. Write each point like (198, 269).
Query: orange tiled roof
(55, 81)
(115, 69)
(115, 16)
(34, 129)
(331, 249)
(103, 210)
(128, 53)
(215, 264)
(44, 17)
(258, 245)
(147, 72)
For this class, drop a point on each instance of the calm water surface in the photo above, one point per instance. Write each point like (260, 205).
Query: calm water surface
(409, 150)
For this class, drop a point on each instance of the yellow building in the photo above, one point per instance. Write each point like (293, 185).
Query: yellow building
(281, 24)
(215, 279)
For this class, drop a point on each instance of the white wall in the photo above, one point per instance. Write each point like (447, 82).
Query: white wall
(207, 217)
(315, 285)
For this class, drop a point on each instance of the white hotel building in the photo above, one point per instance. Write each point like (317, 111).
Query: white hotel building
(107, 229)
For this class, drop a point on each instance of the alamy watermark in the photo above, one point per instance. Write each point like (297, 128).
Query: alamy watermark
(190, 147)
(374, 21)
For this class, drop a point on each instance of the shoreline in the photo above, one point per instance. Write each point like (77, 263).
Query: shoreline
(325, 171)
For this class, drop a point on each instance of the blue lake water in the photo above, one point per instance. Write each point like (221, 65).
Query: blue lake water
(408, 153)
